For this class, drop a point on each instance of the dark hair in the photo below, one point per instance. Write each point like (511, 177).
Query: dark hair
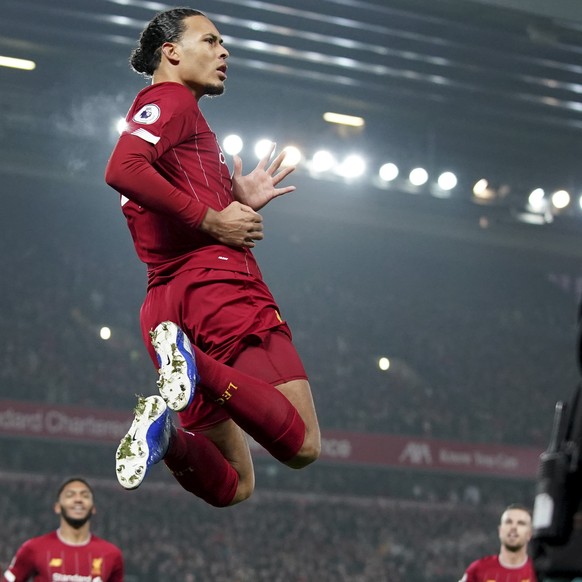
(167, 26)
(72, 480)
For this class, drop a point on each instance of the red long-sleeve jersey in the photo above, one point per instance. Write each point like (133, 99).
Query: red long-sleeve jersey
(489, 569)
(169, 169)
(47, 558)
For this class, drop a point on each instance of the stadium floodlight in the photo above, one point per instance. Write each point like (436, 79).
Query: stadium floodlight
(120, 20)
(322, 161)
(341, 119)
(292, 156)
(232, 144)
(388, 172)
(384, 364)
(418, 177)
(353, 166)
(484, 192)
(262, 148)
(105, 333)
(560, 199)
(120, 125)
(536, 200)
(447, 181)
(480, 187)
(13, 63)
(580, 202)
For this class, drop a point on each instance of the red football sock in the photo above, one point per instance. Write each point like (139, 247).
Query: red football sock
(198, 465)
(256, 406)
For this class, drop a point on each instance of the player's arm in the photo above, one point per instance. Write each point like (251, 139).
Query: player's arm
(117, 571)
(260, 186)
(22, 567)
(130, 171)
(470, 574)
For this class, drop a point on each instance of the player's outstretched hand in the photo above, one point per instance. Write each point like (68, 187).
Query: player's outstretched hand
(236, 225)
(260, 186)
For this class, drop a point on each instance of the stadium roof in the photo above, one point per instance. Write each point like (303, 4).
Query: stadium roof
(498, 81)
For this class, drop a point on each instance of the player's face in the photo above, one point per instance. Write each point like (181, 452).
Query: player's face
(515, 529)
(202, 57)
(75, 504)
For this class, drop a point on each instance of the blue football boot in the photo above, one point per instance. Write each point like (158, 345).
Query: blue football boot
(178, 375)
(146, 442)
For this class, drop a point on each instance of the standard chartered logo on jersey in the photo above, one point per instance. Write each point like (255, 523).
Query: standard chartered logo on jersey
(58, 577)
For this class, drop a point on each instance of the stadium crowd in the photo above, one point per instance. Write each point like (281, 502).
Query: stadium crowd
(462, 360)
(480, 350)
(278, 537)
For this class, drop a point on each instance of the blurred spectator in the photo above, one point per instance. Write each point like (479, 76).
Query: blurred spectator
(279, 536)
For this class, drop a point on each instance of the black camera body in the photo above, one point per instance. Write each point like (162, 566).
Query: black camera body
(556, 545)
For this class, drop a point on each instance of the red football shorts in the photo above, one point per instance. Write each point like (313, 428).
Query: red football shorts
(233, 318)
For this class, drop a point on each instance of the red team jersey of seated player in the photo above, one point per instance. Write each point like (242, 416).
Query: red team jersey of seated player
(49, 559)
(489, 569)
(184, 150)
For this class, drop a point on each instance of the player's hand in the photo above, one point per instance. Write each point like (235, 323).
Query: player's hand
(260, 186)
(236, 225)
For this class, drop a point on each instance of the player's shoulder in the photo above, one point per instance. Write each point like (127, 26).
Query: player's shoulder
(484, 562)
(104, 545)
(46, 537)
(167, 92)
(162, 102)
(40, 541)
